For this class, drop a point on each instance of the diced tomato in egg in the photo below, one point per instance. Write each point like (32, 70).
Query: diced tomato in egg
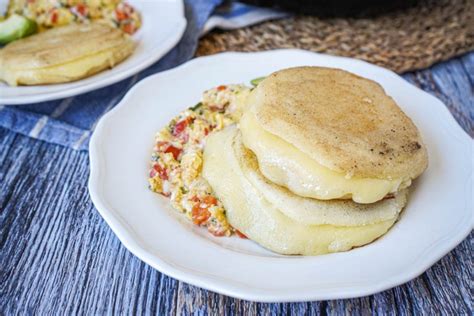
(238, 233)
(174, 151)
(210, 200)
(162, 172)
(199, 214)
(129, 28)
(169, 148)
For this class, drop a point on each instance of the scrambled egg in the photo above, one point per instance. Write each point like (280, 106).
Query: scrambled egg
(177, 157)
(52, 13)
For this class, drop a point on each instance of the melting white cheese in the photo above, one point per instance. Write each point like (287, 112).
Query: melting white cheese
(284, 164)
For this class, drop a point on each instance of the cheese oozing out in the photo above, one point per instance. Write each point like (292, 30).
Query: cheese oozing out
(283, 164)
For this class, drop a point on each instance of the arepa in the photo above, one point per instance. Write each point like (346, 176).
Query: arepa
(327, 134)
(322, 227)
(64, 54)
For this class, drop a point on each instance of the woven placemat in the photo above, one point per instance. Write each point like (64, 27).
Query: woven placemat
(405, 40)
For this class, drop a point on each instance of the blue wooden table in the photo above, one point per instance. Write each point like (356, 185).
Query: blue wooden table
(57, 255)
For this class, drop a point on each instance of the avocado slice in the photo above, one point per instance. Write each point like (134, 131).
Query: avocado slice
(16, 27)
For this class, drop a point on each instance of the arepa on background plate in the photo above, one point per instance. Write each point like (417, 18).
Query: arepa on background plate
(64, 54)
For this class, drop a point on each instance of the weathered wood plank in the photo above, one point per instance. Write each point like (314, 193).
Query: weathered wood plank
(58, 256)
(452, 83)
(49, 232)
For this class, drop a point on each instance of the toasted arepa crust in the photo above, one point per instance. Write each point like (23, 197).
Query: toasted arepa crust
(345, 122)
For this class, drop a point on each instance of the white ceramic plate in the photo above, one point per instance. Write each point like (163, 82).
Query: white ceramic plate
(163, 25)
(437, 217)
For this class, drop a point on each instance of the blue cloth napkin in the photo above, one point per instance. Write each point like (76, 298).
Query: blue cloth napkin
(235, 15)
(70, 122)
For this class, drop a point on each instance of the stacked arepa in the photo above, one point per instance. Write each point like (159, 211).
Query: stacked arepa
(321, 161)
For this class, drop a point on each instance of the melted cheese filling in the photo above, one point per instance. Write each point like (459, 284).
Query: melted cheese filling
(283, 164)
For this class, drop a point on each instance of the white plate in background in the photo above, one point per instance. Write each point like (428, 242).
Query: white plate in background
(439, 214)
(163, 25)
